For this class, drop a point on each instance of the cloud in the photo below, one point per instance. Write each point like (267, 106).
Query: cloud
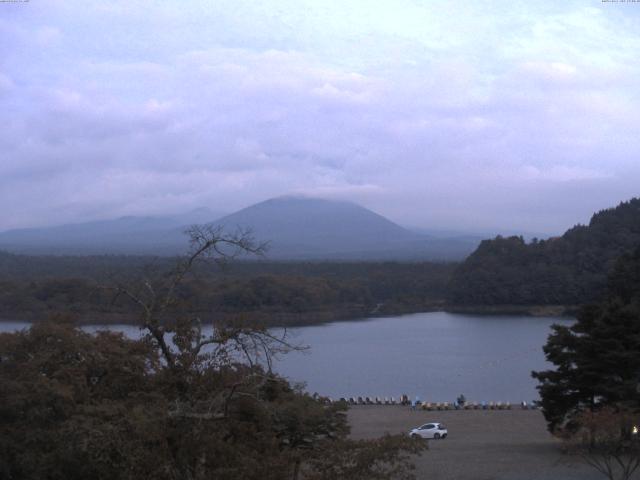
(46, 36)
(561, 173)
(415, 111)
(5, 83)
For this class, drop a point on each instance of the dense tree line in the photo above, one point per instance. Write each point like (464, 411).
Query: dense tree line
(568, 270)
(283, 293)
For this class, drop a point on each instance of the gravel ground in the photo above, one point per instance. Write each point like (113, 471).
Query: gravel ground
(482, 444)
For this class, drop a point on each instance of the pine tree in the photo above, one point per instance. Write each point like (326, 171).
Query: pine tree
(597, 359)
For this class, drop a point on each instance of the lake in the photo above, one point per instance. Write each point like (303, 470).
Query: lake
(436, 356)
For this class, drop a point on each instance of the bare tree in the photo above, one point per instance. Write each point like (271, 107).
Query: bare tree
(178, 335)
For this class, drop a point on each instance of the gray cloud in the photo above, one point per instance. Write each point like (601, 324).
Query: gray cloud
(446, 117)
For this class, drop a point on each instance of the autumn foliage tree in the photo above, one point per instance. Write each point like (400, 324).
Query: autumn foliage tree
(182, 402)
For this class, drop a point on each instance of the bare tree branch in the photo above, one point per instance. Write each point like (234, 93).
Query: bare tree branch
(156, 297)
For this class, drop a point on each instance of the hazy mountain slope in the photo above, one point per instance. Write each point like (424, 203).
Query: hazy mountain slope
(122, 235)
(296, 228)
(570, 270)
(312, 228)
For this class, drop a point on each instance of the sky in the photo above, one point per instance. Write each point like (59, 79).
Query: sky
(466, 115)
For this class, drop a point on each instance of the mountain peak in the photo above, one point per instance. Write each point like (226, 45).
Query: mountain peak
(321, 227)
(300, 198)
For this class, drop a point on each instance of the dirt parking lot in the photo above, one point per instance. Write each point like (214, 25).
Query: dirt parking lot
(482, 444)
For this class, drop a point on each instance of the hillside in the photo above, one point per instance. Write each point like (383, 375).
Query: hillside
(568, 270)
(124, 235)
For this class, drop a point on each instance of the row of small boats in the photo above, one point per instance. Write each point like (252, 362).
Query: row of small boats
(417, 404)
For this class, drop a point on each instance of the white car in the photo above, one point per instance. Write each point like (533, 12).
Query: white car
(430, 430)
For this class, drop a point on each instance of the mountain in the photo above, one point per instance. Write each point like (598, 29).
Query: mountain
(567, 270)
(310, 227)
(127, 235)
(313, 228)
(296, 228)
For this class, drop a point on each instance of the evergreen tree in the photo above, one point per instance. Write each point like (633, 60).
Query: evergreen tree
(568, 270)
(598, 358)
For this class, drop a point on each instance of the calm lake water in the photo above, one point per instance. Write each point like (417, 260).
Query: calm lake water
(435, 355)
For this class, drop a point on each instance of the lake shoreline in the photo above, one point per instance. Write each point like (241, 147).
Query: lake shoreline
(314, 318)
(526, 310)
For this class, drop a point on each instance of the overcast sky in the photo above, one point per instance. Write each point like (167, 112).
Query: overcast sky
(473, 116)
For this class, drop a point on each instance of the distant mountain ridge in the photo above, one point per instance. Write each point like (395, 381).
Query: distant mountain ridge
(124, 235)
(567, 270)
(296, 228)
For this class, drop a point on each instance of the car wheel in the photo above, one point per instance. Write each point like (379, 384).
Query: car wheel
(436, 436)
(415, 435)
(444, 436)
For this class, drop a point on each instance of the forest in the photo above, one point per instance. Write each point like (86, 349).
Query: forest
(276, 293)
(567, 270)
